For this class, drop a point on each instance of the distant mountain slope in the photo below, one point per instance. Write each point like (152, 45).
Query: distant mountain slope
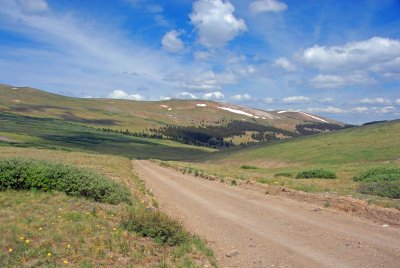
(141, 116)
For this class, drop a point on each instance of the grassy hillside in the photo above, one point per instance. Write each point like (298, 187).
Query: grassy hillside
(346, 153)
(369, 143)
(52, 229)
(49, 133)
(139, 116)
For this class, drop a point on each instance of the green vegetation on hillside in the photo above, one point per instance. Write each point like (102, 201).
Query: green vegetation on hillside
(382, 181)
(317, 173)
(56, 134)
(27, 174)
(368, 143)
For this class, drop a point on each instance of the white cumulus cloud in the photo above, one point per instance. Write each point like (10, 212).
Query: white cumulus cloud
(188, 95)
(241, 97)
(120, 94)
(171, 42)
(375, 101)
(361, 109)
(215, 22)
(296, 99)
(285, 64)
(398, 101)
(163, 98)
(213, 95)
(267, 6)
(359, 54)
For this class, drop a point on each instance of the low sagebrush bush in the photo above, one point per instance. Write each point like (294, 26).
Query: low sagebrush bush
(149, 223)
(379, 174)
(389, 189)
(25, 174)
(248, 167)
(381, 181)
(318, 173)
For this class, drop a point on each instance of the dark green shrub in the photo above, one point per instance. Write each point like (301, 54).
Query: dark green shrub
(316, 173)
(389, 189)
(248, 167)
(284, 174)
(381, 181)
(379, 174)
(162, 228)
(23, 174)
(233, 182)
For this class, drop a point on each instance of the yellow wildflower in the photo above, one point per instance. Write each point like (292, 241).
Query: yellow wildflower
(10, 250)
(21, 238)
(68, 246)
(65, 262)
(114, 229)
(27, 241)
(49, 254)
(40, 228)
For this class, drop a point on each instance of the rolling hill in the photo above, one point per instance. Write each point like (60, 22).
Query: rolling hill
(154, 118)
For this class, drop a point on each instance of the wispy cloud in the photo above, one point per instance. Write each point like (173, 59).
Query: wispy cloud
(375, 101)
(77, 43)
(336, 81)
(261, 6)
(285, 64)
(171, 42)
(296, 99)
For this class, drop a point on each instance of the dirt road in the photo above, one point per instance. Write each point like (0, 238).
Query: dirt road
(250, 229)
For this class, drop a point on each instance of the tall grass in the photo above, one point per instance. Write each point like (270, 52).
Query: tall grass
(159, 226)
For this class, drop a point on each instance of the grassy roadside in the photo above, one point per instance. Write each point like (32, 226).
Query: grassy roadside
(52, 229)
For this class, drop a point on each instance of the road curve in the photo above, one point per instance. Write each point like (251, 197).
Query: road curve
(249, 229)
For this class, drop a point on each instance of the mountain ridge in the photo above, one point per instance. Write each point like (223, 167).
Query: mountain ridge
(151, 117)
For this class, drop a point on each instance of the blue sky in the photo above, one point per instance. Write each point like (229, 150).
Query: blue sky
(339, 59)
